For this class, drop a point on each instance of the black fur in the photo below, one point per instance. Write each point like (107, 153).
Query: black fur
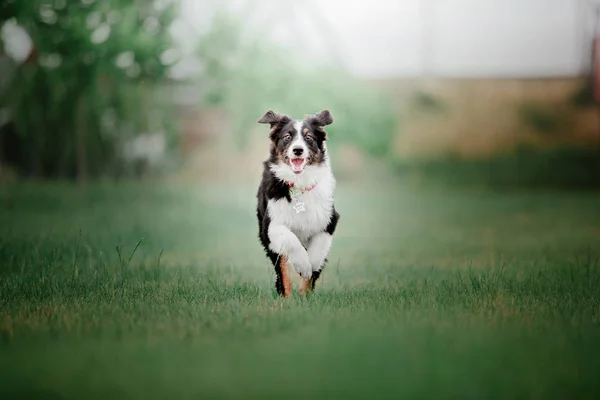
(270, 188)
(315, 276)
(333, 223)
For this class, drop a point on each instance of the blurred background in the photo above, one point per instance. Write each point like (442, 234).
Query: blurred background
(483, 92)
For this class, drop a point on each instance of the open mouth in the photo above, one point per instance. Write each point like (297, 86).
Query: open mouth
(297, 165)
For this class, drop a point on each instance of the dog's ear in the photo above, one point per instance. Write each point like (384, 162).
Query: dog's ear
(272, 118)
(322, 118)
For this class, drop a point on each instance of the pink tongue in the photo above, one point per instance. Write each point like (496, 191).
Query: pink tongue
(297, 164)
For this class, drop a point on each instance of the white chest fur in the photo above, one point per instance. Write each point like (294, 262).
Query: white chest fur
(318, 206)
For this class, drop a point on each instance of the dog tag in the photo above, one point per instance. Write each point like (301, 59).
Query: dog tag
(299, 206)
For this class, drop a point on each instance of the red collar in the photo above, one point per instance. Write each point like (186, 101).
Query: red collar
(308, 189)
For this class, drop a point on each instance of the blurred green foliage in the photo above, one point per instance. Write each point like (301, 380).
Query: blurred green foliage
(90, 84)
(247, 76)
(98, 76)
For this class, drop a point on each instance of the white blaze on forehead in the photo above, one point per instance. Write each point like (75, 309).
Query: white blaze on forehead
(298, 141)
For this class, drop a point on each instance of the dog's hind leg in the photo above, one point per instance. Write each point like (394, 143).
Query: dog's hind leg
(283, 282)
(315, 276)
(308, 285)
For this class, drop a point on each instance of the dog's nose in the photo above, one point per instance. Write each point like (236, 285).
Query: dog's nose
(298, 151)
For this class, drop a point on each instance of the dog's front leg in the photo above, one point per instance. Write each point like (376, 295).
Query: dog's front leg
(318, 249)
(285, 243)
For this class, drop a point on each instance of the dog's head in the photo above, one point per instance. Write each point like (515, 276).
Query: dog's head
(297, 143)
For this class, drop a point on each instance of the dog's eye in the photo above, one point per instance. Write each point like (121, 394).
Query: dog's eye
(308, 136)
(287, 137)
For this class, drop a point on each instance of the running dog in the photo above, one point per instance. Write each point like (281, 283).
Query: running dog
(295, 209)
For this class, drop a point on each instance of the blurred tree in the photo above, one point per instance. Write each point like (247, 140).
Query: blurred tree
(246, 75)
(219, 50)
(90, 82)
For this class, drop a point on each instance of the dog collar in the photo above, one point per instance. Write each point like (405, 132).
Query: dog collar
(296, 190)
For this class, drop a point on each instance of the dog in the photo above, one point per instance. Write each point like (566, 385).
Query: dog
(295, 208)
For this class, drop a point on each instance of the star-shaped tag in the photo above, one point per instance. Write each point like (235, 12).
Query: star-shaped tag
(299, 207)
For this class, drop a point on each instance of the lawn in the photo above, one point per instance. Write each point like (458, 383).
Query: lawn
(141, 291)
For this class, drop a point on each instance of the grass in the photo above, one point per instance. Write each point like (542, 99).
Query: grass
(430, 293)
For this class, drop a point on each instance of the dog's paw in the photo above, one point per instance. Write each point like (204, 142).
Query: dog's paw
(306, 273)
(304, 270)
(301, 264)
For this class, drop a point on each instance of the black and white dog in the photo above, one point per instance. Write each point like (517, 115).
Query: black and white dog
(295, 210)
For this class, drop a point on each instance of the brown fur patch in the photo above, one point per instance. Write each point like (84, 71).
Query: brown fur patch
(285, 277)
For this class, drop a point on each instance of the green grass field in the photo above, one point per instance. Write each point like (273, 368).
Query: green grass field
(429, 293)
